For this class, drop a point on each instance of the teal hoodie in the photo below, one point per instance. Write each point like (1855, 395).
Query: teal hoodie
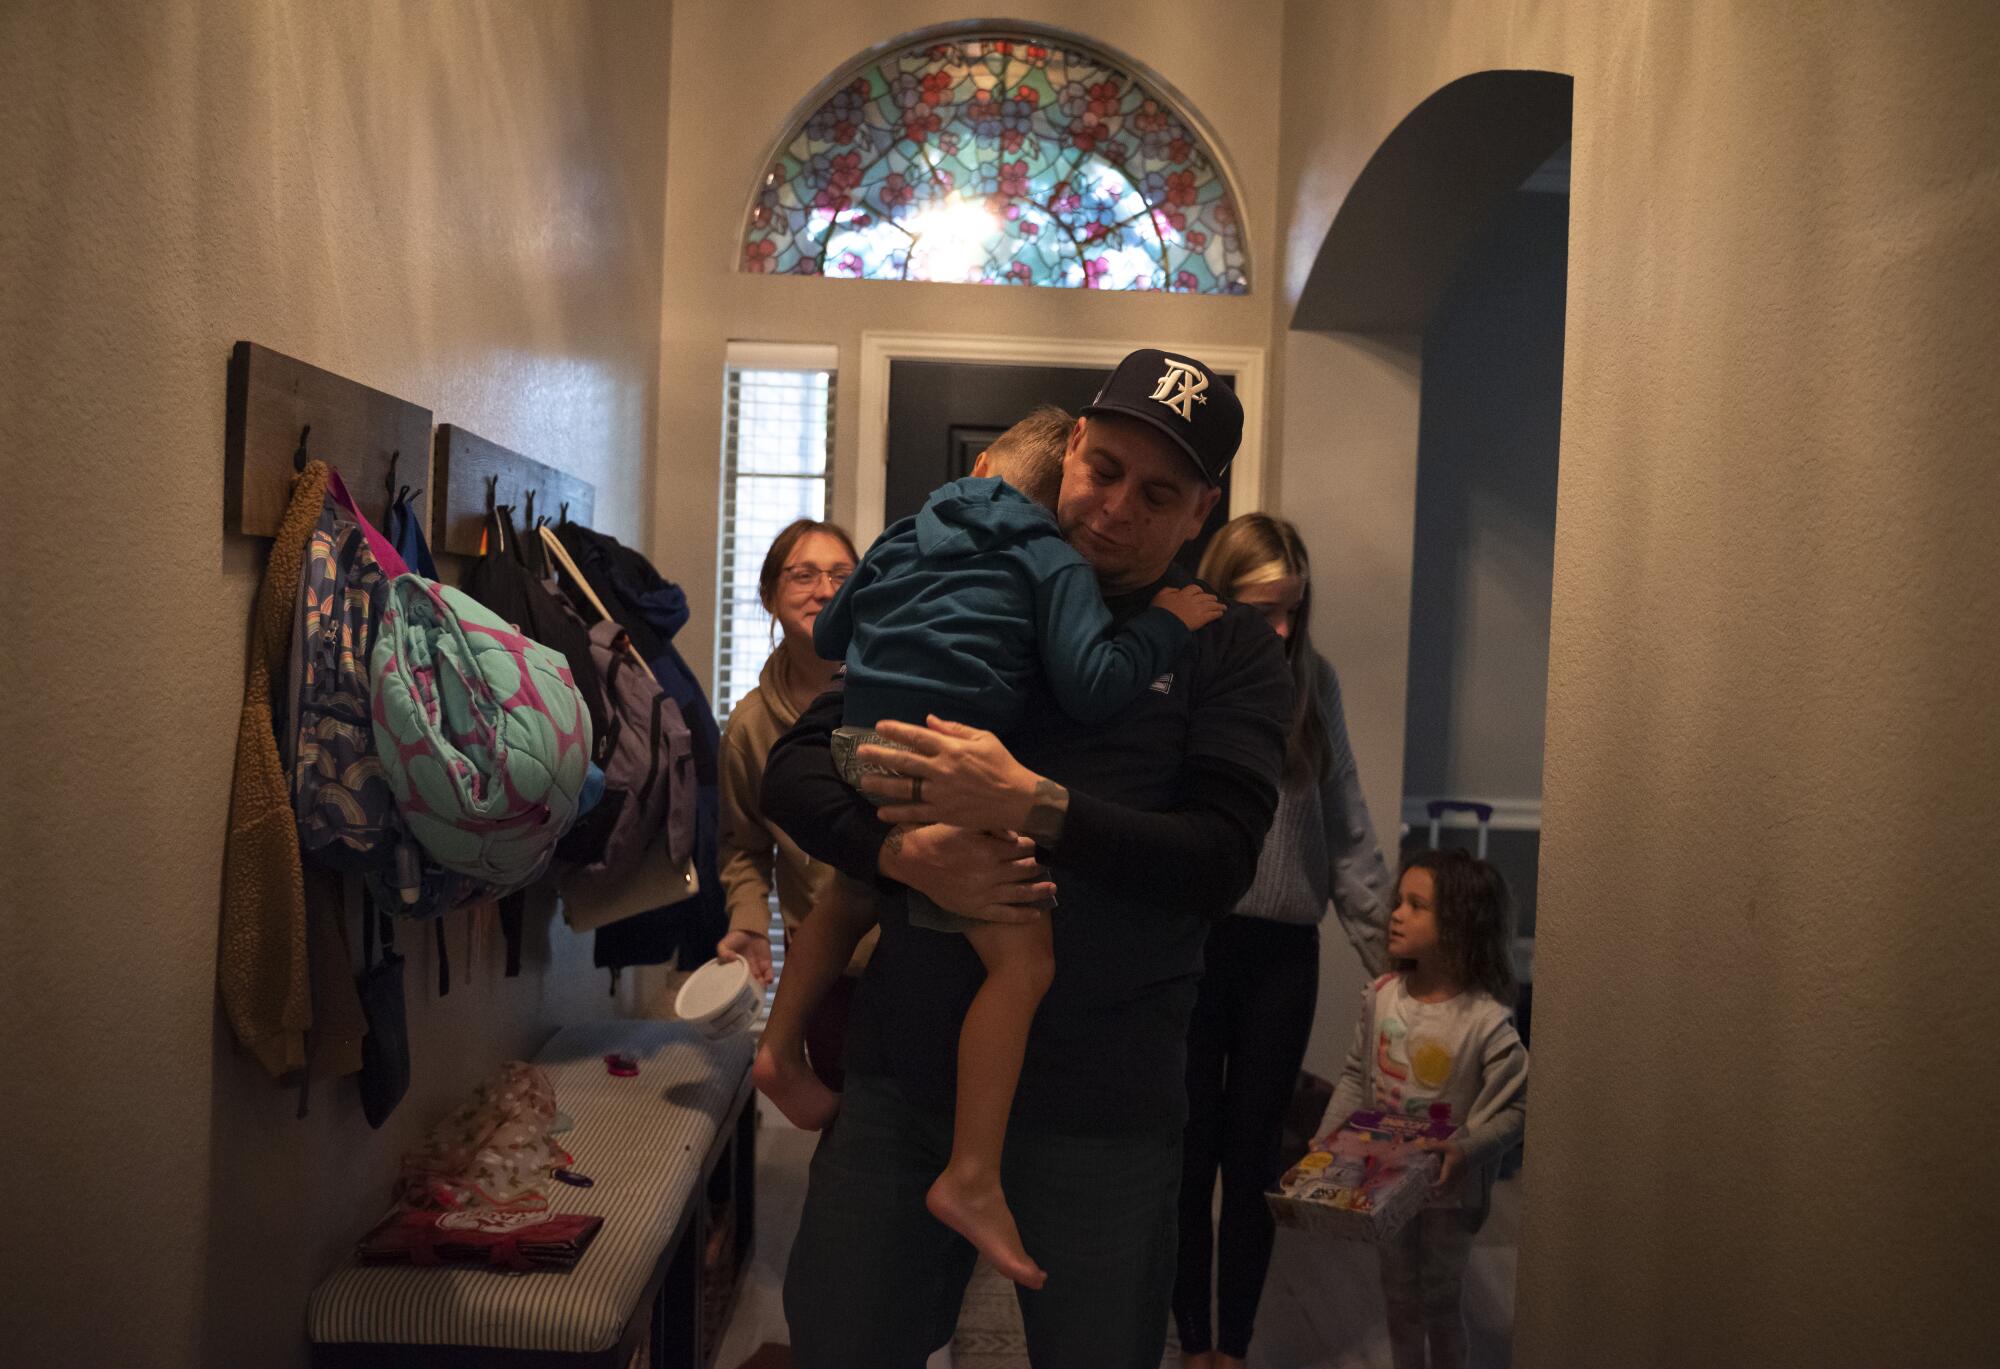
(955, 612)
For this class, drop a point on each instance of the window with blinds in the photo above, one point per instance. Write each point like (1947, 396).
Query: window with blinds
(777, 450)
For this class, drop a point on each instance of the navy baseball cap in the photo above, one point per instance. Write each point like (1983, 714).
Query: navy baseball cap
(1183, 399)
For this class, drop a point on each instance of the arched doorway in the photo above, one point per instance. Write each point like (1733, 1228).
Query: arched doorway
(1425, 197)
(1426, 346)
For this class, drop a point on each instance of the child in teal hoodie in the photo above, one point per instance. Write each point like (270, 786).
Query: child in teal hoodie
(955, 612)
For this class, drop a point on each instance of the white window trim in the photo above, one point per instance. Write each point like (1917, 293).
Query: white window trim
(782, 356)
(871, 393)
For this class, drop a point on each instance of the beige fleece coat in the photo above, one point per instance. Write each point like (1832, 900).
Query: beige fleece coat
(262, 970)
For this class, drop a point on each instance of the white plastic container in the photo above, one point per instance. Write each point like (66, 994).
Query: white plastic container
(720, 998)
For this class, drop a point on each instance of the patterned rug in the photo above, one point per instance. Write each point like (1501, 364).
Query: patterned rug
(989, 1327)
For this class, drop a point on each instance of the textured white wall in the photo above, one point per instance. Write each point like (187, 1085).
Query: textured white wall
(731, 100)
(1764, 1069)
(460, 204)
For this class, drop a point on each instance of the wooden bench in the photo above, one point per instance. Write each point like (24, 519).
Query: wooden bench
(673, 1156)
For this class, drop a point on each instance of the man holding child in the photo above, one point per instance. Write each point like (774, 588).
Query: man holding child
(1148, 827)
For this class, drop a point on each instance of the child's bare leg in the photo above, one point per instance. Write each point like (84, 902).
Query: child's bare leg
(1020, 961)
(816, 956)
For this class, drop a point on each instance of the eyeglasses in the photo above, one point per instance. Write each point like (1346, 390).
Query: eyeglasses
(805, 577)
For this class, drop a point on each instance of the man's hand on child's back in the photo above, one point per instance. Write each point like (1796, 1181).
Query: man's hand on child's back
(1191, 604)
(975, 874)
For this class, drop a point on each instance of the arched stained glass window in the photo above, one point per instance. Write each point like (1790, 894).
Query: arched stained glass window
(1004, 160)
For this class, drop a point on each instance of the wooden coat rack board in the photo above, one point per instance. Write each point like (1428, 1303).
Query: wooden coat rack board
(474, 474)
(274, 399)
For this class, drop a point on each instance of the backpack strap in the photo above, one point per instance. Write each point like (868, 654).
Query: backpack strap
(653, 754)
(386, 555)
(494, 543)
(512, 911)
(306, 1036)
(534, 553)
(613, 723)
(444, 957)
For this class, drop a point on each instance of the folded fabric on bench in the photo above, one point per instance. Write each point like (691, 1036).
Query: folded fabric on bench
(641, 1140)
(520, 1241)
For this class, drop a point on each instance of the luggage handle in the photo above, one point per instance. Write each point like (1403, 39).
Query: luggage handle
(1437, 808)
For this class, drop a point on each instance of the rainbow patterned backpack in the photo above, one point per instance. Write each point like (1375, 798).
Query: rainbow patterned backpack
(482, 735)
(344, 808)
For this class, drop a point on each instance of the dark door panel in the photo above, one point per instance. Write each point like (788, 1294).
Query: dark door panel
(942, 414)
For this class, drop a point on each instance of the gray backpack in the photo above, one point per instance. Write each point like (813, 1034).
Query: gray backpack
(649, 781)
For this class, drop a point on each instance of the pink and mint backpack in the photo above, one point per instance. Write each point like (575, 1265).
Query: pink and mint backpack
(483, 738)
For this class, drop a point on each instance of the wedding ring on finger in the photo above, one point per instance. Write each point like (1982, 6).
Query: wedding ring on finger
(916, 789)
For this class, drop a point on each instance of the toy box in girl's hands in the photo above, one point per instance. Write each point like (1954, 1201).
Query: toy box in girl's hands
(1364, 1181)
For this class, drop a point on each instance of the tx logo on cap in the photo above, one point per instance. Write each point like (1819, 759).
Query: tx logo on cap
(1180, 388)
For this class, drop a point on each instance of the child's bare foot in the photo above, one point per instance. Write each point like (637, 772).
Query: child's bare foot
(978, 1212)
(791, 1084)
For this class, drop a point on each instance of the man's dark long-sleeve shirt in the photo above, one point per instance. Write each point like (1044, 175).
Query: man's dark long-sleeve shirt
(1169, 803)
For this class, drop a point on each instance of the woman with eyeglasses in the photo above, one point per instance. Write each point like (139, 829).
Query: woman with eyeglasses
(807, 563)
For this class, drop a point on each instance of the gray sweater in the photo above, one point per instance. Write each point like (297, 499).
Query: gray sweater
(1322, 846)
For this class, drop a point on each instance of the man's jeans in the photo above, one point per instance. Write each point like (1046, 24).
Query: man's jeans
(875, 1282)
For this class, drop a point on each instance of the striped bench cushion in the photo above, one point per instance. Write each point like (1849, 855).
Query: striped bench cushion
(642, 1140)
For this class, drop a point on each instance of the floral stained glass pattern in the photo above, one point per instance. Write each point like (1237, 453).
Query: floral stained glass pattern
(1003, 161)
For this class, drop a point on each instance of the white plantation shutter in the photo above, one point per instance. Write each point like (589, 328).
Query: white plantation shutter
(777, 449)
(777, 458)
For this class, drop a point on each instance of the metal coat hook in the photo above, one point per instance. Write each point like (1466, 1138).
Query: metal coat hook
(563, 509)
(492, 492)
(529, 520)
(299, 457)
